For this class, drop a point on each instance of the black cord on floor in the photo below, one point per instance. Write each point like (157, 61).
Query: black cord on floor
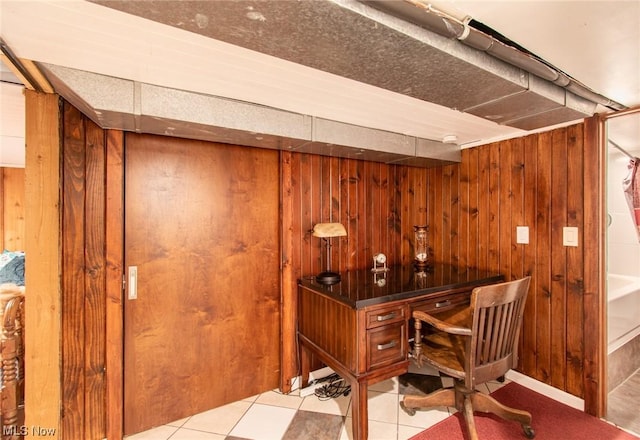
(335, 387)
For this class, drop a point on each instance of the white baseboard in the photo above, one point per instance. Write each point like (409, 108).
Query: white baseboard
(547, 390)
(314, 375)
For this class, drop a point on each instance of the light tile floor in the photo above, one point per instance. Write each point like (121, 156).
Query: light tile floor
(276, 416)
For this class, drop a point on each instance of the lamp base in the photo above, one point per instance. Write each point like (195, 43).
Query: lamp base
(328, 278)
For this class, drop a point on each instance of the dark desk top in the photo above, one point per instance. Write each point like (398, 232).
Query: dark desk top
(360, 288)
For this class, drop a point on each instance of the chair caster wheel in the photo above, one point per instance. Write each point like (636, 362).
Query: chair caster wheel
(410, 411)
(528, 431)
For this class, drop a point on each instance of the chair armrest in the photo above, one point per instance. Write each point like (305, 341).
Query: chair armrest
(442, 325)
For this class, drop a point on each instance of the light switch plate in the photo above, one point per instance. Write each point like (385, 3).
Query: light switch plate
(570, 236)
(522, 234)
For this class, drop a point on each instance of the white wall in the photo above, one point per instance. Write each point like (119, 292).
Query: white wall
(12, 108)
(623, 245)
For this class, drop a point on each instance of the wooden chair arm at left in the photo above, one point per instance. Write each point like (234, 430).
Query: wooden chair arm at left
(441, 325)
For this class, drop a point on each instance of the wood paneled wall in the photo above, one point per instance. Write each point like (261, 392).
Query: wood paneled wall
(378, 204)
(84, 276)
(535, 181)
(12, 208)
(472, 209)
(363, 196)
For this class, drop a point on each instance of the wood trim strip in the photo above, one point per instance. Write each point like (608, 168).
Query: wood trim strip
(42, 244)
(595, 374)
(288, 303)
(94, 282)
(114, 255)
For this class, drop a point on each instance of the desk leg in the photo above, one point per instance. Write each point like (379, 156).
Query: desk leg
(305, 365)
(360, 414)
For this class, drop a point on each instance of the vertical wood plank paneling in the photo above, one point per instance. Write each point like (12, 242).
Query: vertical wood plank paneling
(543, 264)
(558, 257)
(345, 198)
(525, 182)
(300, 248)
(405, 223)
(382, 213)
(348, 193)
(94, 283)
(363, 246)
(312, 257)
(12, 201)
(464, 210)
(73, 289)
(421, 209)
(455, 214)
(393, 230)
(447, 212)
(575, 260)
(493, 246)
(371, 187)
(337, 201)
(506, 207)
(474, 232)
(529, 325)
(516, 170)
(43, 309)
(366, 197)
(114, 251)
(484, 237)
(436, 228)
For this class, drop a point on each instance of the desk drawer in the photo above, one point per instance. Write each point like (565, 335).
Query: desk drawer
(386, 345)
(442, 303)
(385, 316)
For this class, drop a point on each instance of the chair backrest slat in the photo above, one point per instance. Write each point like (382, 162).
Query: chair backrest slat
(497, 317)
(479, 334)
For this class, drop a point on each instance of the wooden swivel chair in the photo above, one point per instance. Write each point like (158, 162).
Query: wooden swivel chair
(473, 345)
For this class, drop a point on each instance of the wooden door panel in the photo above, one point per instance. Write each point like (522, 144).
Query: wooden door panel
(201, 226)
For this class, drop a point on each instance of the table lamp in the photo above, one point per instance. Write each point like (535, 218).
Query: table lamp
(327, 231)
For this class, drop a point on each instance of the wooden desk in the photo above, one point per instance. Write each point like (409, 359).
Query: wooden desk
(359, 327)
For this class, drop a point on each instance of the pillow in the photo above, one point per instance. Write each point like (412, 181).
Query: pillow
(12, 268)
(7, 256)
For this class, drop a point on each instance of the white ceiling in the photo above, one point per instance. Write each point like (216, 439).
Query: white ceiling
(595, 42)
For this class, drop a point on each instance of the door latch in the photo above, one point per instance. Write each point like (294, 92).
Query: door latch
(133, 282)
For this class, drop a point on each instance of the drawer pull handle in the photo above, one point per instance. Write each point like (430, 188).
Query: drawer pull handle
(387, 345)
(387, 316)
(443, 304)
